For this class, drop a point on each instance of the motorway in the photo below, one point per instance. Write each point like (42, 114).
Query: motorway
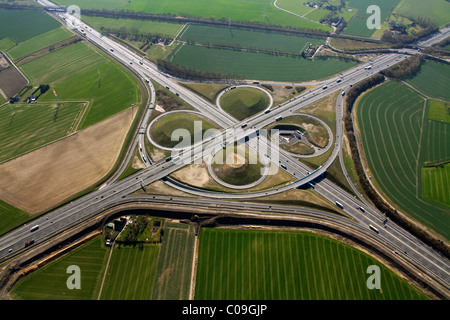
(400, 241)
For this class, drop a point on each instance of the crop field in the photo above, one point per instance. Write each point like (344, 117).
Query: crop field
(131, 273)
(24, 127)
(276, 265)
(142, 26)
(439, 110)
(436, 184)
(140, 272)
(21, 25)
(10, 217)
(398, 138)
(49, 282)
(173, 272)
(62, 64)
(433, 80)
(358, 23)
(259, 66)
(242, 103)
(41, 41)
(247, 38)
(79, 73)
(436, 10)
(11, 82)
(53, 174)
(255, 11)
(6, 44)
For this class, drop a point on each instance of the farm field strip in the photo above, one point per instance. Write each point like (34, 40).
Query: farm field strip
(164, 29)
(131, 273)
(21, 25)
(62, 64)
(247, 39)
(90, 257)
(262, 264)
(39, 42)
(259, 66)
(173, 272)
(29, 126)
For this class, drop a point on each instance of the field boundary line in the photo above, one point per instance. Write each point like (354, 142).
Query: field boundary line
(181, 32)
(418, 151)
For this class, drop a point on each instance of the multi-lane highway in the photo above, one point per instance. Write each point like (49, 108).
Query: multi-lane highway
(394, 237)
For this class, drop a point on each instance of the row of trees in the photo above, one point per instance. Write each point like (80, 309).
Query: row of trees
(134, 34)
(193, 74)
(373, 195)
(404, 69)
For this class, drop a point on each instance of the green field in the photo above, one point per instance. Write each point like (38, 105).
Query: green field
(247, 39)
(21, 25)
(62, 64)
(131, 273)
(258, 66)
(357, 25)
(24, 127)
(437, 10)
(49, 282)
(255, 11)
(139, 272)
(141, 26)
(436, 184)
(6, 44)
(279, 265)
(433, 80)
(162, 129)
(80, 73)
(173, 272)
(398, 139)
(242, 103)
(439, 110)
(10, 217)
(39, 42)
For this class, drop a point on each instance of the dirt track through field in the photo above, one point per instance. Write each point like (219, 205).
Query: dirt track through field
(42, 179)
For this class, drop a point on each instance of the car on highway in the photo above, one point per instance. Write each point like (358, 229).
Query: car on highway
(324, 87)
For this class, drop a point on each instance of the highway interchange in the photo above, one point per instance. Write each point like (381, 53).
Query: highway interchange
(394, 237)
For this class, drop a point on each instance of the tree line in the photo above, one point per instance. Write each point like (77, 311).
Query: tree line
(194, 74)
(404, 69)
(373, 195)
(133, 34)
